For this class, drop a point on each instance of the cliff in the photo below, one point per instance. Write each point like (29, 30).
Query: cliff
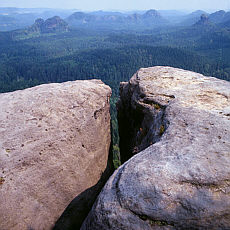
(54, 146)
(175, 126)
(149, 18)
(204, 21)
(51, 25)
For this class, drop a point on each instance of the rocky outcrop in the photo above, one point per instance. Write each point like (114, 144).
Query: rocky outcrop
(54, 25)
(150, 17)
(51, 25)
(181, 180)
(54, 145)
(151, 14)
(219, 16)
(204, 20)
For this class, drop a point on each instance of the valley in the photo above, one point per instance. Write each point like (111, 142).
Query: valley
(165, 130)
(112, 46)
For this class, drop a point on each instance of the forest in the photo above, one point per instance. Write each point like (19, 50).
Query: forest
(110, 55)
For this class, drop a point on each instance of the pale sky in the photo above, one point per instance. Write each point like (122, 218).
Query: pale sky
(90, 5)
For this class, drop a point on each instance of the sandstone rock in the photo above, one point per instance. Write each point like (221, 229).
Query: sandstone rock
(204, 20)
(54, 144)
(182, 180)
(51, 25)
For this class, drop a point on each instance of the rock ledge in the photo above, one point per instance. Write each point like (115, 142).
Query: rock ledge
(179, 122)
(54, 144)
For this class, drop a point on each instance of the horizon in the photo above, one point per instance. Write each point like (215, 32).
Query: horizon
(117, 10)
(119, 5)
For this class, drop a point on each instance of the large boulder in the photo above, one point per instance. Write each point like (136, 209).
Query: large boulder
(180, 121)
(54, 146)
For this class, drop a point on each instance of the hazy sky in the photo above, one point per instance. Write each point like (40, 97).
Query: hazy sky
(120, 4)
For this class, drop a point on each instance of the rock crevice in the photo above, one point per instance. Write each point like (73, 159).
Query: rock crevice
(141, 118)
(53, 148)
(180, 177)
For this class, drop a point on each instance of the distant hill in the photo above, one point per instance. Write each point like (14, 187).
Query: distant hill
(103, 13)
(173, 16)
(192, 18)
(219, 17)
(7, 21)
(51, 25)
(225, 24)
(14, 21)
(153, 16)
(102, 19)
(184, 19)
(54, 25)
(204, 21)
(12, 18)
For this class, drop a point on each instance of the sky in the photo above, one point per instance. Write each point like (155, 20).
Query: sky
(90, 5)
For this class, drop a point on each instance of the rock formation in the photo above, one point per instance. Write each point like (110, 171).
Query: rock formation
(150, 17)
(180, 121)
(51, 25)
(153, 14)
(220, 17)
(204, 20)
(54, 145)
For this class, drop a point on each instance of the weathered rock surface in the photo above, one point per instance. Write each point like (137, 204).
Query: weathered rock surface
(182, 180)
(54, 145)
(51, 25)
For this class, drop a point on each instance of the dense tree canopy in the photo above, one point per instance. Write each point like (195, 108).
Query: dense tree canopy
(110, 56)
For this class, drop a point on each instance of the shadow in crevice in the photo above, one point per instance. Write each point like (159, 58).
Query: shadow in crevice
(141, 122)
(76, 212)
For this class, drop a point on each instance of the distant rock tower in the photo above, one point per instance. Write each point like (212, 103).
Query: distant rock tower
(204, 20)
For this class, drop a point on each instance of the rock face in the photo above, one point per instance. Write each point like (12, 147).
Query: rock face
(182, 180)
(151, 17)
(153, 14)
(204, 20)
(54, 145)
(51, 25)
